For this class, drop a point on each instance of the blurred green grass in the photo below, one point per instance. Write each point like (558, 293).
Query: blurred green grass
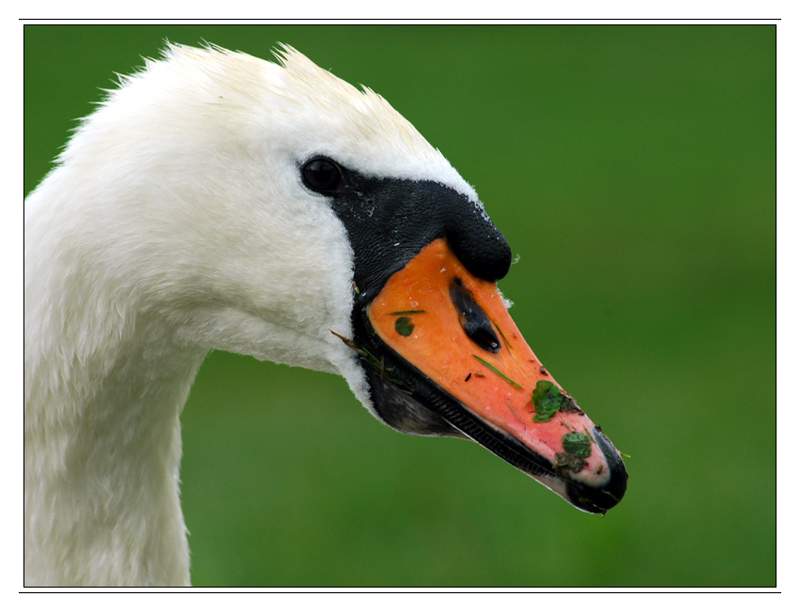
(632, 169)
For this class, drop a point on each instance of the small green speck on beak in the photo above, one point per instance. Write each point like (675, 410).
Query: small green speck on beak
(546, 401)
(404, 326)
(577, 446)
(498, 372)
(549, 399)
(577, 443)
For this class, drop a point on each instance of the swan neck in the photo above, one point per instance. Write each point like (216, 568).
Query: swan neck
(102, 453)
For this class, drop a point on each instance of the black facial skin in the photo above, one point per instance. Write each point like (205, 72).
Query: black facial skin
(388, 222)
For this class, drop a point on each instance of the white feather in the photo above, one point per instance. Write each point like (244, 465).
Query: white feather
(174, 223)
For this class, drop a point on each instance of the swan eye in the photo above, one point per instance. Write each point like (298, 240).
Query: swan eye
(323, 175)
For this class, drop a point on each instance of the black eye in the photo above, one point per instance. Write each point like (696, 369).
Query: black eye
(321, 174)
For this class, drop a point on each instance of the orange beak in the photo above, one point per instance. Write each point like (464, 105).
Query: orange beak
(455, 331)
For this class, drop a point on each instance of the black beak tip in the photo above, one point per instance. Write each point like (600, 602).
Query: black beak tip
(598, 500)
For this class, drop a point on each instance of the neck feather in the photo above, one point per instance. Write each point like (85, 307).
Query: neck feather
(103, 446)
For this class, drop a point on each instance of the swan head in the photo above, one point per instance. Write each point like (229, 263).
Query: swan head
(272, 209)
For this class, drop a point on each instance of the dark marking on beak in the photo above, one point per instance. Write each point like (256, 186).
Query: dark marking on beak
(473, 320)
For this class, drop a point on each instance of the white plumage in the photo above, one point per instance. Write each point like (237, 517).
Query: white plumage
(175, 223)
(218, 201)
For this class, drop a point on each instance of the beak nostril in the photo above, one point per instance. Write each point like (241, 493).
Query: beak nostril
(473, 319)
(484, 338)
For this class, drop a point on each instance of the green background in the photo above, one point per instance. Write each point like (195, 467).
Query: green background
(632, 169)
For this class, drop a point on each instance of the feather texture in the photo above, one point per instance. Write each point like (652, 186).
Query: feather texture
(175, 222)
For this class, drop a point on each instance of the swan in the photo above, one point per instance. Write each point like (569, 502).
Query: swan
(215, 200)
